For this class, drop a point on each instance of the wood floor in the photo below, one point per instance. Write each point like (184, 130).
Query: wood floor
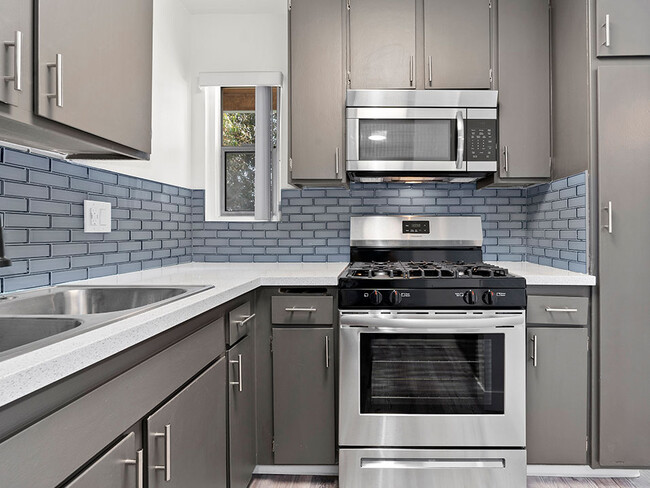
(330, 482)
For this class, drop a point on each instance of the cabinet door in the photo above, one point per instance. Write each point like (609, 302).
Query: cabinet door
(16, 57)
(317, 90)
(624, 206)
(241, 374)
(556, 396)
(622, 27)
(382, 44)
(94, 67)
(304, 425)
(187, 436)
(453, 60)
(524, 89)
(120, 467)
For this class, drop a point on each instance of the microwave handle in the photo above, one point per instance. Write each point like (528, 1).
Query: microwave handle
(460, 124)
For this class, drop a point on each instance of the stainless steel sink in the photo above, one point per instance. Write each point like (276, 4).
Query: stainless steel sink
(86, 301)
(18, 331)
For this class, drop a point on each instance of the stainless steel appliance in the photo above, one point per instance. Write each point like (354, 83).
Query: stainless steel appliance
(433, 358)
(424, 135)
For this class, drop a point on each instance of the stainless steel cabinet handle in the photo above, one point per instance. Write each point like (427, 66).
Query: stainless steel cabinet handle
(534, 356)
(567, 310)
(460, 123)
(300, 309)
(241, 323)
(610, 218)
(608, 38)
(430, 71)
(337, 160)
(327, 351)
(58, 93)
(139, 466)
(17, 44)
(239, 381)
(505, 159)
(167, 467)
(411, 74)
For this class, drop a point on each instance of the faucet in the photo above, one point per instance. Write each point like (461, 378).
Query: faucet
(4, 261)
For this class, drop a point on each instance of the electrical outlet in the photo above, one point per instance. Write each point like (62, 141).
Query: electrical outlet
(97, 216)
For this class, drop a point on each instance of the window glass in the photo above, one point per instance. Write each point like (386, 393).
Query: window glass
(240, 181)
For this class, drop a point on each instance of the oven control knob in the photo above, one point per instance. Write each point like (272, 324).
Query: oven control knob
(469, 297)
(375, 297)
(394, 298)
(489, 298)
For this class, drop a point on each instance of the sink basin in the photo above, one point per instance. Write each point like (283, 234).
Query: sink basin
(18, 331)
(86, 301)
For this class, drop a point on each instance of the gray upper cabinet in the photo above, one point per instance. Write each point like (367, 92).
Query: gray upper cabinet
(187, 436)
(382, 44)
(304, 418)
(241, 419)
(622, 27)
(120, 467)
(624, 338)
(453, 60)
(16, 53)
(556, 392)
(524, 89)
(317, 93)
(94, 67)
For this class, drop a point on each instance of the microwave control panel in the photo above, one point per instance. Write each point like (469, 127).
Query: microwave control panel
(482, 143)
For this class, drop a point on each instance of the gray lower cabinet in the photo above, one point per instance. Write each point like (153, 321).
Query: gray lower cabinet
(121, 467)
(317, 148)
(382, 44)
(524, 89)
(186, 437)
(16, 57)
(556, 395)
(93, 62)
(624, 235)
(622, 27)
(453, 61)
(304, 419)
(241, 419)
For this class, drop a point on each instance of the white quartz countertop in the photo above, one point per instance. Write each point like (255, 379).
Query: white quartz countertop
(26, 373)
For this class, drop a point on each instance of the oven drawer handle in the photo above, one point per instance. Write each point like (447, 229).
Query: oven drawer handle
(369, 463)
(300, 309)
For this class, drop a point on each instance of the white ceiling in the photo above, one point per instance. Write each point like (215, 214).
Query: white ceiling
(235, 6)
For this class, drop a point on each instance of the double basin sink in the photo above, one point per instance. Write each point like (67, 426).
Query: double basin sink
(33, 319)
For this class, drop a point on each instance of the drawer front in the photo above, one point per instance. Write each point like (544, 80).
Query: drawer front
(239, 323)
(558, 310)
(298, 310)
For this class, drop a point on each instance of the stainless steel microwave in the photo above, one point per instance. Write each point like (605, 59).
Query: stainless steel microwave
(422, 135)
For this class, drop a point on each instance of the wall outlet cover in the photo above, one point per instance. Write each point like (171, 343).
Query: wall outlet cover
(97, 216)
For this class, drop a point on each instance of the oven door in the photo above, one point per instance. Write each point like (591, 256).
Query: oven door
(432, 379)
(406, 140)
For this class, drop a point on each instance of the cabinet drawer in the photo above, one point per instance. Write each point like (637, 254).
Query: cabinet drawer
(306, 310)
(239, 322)
(558, 310)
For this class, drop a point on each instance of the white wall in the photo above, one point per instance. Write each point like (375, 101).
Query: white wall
(237, 42)
(171, 110)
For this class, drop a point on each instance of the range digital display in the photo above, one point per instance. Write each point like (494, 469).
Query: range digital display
(415, 227)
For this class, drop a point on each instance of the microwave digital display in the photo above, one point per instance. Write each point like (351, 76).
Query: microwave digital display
(415, 227)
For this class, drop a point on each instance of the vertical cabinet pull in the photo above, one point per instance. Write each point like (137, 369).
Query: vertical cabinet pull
(608, 39)
(534, 355)
(58, 92)
(239, 381)
(411, 68)
(505, 159)
(610, 218)
(327, 351)
(430, 71)
(17, 44)
(167, 467)
(337, 161)
(139, 466)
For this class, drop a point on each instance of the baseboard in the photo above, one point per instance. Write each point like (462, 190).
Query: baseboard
(298, 470)
(570, 471)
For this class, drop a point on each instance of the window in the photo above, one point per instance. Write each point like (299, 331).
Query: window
(241, 146)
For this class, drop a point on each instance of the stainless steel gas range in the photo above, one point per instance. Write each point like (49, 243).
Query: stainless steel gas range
(432, 367)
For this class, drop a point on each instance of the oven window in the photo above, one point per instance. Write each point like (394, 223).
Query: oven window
(432, 373)
(407, 140)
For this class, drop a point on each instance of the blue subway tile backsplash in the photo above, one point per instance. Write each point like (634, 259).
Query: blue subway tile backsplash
(155, 224)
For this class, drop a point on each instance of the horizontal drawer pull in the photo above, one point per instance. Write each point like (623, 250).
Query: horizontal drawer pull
(241, 323)
(567, 310)
(300, 309)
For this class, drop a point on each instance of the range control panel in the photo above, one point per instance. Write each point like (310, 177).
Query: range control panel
(482, 143)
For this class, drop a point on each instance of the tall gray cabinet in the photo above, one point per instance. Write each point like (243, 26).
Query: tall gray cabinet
(624, 238)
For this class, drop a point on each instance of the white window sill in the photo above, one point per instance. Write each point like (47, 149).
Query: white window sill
(241, 218)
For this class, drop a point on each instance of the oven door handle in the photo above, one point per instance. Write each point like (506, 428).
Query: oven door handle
(414, 322)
